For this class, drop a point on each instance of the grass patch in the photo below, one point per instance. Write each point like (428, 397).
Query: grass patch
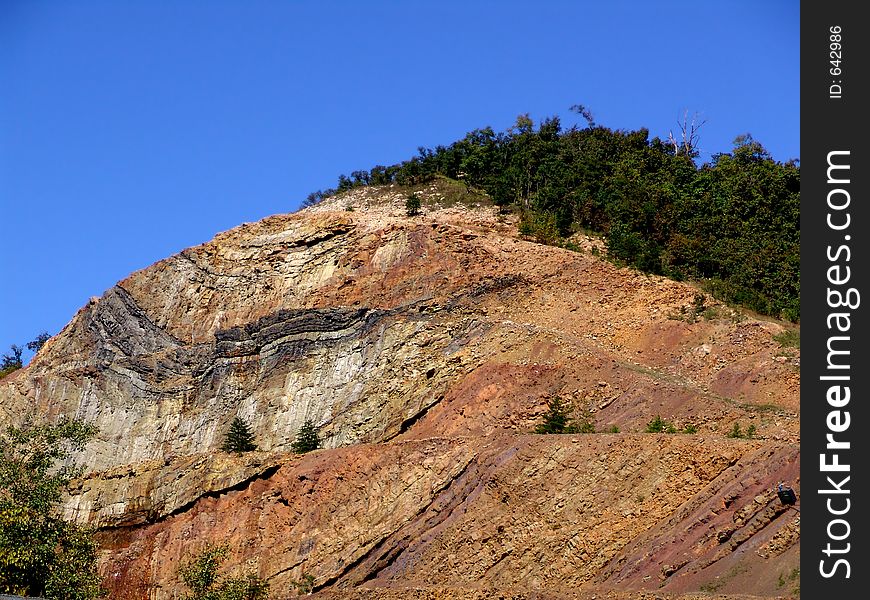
(761, 409)
(794, 577)
(790, 338)
(454, 193)
(716, 584)
(437, 192)
(712, 586)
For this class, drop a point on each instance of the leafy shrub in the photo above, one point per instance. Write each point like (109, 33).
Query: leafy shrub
(412, 205)
(200, 575)
(633, 248)
(305, 585)
(585, 425)
(573, 247)
(539, 226)
(691, 313)
(40, 553)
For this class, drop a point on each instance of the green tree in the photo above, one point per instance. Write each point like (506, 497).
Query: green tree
(557, 419)
(306, 439)
(239, 438)
(200, 574)
(11, 361)
(412, 205)
(40, 553)
(37, 343)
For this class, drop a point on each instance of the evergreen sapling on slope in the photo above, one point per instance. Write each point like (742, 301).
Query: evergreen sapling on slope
(307, 439)
(239, 438)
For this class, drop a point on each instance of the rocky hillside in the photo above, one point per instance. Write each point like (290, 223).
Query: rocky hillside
(425, 349)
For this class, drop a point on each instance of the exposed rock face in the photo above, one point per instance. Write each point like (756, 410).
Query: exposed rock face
(539, 512)
(424, 350)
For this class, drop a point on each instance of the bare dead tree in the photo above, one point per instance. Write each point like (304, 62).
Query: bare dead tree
(689, 137)
(584, 112)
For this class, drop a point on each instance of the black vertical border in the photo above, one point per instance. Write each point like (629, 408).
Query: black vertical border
(834, 122)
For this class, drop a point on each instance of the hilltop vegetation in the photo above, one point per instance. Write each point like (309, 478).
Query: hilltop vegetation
(733, 223)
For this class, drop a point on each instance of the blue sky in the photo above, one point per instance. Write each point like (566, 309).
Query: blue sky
(131, 130)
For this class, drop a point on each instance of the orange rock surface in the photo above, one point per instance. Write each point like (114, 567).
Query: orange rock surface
(424, 350)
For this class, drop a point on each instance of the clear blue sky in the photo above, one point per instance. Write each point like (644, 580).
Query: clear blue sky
(130, 130)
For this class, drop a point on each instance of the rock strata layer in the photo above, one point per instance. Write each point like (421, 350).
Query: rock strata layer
(424, 350)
